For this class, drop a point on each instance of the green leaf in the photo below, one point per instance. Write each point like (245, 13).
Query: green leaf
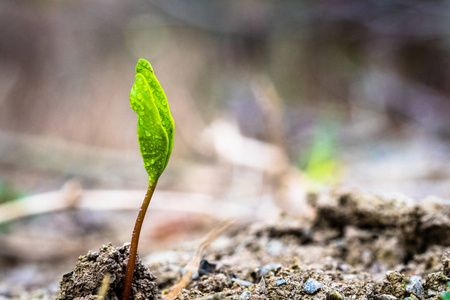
(143, 67)
(155, 128)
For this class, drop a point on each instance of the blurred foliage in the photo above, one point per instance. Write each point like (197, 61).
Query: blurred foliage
(446, 295)
(383, 64)
(319, 162)
(8, 193)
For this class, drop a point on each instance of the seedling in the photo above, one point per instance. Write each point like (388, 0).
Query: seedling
(155, 131)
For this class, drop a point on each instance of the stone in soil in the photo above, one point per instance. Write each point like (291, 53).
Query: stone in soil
(311, 286)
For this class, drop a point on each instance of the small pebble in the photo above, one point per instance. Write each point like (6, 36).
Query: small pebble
(245, 295)
(334, 296)
(311, 286)
(264, 270)
(195, 274)
(242, 282)
(262, 286)
(280, 282)
(432, 293)
(415, 287)
(387, 297)
(349, 276)
(206, 267)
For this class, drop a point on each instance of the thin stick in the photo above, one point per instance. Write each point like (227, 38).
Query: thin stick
(135, 241)
(195, 260)
(103, 290)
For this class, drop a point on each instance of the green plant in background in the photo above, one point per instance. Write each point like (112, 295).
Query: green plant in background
(446, 295)
(155, 132)
(320, 163)
(7, 193)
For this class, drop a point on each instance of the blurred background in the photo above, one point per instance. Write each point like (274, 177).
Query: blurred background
(271, 100)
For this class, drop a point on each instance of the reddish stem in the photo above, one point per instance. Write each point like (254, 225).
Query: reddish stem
(135, 241)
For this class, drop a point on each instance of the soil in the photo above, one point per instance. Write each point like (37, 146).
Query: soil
(355, 246)
(109, 262)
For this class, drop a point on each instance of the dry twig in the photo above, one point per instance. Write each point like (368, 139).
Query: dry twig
(195, 260)
(103, 290)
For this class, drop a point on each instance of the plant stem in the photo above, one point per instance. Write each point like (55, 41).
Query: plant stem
(135, 241)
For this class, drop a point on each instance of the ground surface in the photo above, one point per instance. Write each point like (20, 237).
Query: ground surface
(356, 246)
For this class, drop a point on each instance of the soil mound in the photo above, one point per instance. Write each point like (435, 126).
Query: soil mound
(84, 281)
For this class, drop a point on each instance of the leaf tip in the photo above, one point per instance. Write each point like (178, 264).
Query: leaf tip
(143, 63)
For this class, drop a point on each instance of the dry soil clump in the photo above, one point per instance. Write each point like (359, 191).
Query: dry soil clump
(85, 280)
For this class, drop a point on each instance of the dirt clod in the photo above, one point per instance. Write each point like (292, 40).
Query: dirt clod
(84, 281)
(446, 263)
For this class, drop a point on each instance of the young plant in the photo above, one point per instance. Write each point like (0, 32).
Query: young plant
(155, 131)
